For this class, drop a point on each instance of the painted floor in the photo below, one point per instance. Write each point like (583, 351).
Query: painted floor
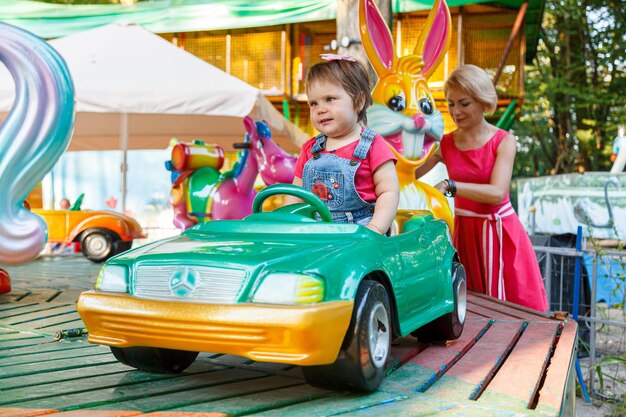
(509, 362)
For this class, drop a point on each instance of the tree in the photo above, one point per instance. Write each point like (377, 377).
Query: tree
(575, 89)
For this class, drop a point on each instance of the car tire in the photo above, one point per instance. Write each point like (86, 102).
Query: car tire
(362, 360)
(156, 360)
(449, 326)
(97, 244)
(122, 246)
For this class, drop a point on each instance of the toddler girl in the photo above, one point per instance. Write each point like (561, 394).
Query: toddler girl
(347, 165)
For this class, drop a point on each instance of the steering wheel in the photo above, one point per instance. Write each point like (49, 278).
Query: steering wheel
(312, 204)
(78, 202)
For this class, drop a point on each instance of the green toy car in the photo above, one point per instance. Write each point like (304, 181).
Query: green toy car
(280, 287)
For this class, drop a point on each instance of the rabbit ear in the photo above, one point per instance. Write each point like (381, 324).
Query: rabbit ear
(376, 37)
(434, 40)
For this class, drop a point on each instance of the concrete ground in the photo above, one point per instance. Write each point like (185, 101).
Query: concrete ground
(592, 410)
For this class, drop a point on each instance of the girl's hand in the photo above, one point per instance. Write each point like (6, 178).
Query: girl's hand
(387, 196)
(289, 199)
(374, 228)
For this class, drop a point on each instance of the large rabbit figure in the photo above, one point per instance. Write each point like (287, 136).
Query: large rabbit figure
(404, 111)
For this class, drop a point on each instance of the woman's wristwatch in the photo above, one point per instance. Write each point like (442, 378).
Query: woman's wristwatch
(451, 188)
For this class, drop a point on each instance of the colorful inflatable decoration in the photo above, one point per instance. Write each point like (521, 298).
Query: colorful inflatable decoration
(201, 193)
(404, 111)
(33, 136)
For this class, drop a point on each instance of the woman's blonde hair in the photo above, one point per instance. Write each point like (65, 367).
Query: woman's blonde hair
(475, 82)
(351, 76)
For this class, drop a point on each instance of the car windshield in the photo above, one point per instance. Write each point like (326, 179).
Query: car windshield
(268, 227)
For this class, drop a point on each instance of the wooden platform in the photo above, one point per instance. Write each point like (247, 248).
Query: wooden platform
(509, 362)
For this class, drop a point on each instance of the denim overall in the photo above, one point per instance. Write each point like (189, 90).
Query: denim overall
(331, 178)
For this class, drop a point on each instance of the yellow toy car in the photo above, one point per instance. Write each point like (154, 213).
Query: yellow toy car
(102, 234)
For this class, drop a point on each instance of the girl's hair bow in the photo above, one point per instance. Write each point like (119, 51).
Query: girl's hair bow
(337, 57)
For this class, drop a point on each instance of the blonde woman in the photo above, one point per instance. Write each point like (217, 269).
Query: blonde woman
(492, 244)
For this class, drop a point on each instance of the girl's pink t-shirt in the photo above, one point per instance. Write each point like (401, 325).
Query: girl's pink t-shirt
(378, 154)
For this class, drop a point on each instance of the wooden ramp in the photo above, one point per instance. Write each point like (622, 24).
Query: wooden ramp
(509, 361)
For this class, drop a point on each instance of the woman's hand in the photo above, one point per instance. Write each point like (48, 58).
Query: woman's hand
(496, 190)
(442, 186)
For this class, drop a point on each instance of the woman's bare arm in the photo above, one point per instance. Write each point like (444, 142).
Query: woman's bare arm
(500, 181)
(429, 164)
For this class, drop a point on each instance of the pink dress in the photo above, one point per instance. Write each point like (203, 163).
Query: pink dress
(493, 246)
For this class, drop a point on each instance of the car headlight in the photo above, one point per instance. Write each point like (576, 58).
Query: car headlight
(112, 278)
(285, 288)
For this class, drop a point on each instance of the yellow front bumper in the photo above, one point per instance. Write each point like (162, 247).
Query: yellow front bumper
(298, 335)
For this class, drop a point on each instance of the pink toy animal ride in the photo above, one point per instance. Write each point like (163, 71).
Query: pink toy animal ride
(202, 193)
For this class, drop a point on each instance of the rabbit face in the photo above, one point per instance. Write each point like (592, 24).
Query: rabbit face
(404, 110)
(404, 113)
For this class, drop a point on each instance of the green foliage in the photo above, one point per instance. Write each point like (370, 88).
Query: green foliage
(574, 90)
(606, 378)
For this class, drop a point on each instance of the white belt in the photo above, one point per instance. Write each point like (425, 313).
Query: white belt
(487, 248)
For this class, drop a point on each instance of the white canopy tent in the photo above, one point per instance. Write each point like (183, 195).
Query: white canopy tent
(135, 90)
